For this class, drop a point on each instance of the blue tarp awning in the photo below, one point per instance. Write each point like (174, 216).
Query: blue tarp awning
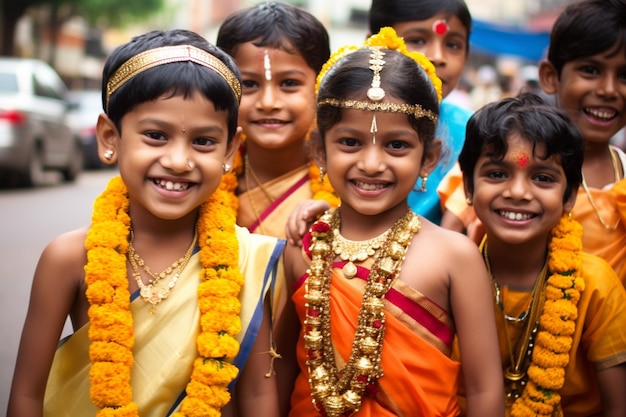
(493, 39)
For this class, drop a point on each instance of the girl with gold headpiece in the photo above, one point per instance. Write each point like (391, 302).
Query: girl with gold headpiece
(165, 293)
(379, 291)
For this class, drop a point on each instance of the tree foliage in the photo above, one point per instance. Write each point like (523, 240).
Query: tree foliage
(100, 13)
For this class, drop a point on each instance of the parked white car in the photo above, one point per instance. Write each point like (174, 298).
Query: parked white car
(34, 132)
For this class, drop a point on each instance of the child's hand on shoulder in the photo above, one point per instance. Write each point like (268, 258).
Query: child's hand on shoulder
(305, 213)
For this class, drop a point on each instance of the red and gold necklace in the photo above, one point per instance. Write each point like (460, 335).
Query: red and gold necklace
(339, 393)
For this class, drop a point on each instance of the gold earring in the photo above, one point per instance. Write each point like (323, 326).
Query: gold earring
(226, 168)
(322, 173)
(468, 201)
(108, 154)
(423, 187)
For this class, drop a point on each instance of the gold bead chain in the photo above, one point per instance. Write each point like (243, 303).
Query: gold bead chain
(146, 291)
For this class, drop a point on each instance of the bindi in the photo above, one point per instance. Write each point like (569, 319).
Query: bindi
(521, 158)
(267, 66)
(440, 27)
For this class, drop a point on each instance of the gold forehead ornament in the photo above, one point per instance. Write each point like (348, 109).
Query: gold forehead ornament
(375, 94)
(166, 55)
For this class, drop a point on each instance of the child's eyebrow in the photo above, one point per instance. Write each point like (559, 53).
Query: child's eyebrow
(162, 124)
(535, 162)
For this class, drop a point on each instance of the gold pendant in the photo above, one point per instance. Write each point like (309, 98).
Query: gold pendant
(512, 375)
(349, 270)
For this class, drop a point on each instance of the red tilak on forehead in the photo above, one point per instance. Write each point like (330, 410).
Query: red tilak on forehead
(440, 27)
(521, 158)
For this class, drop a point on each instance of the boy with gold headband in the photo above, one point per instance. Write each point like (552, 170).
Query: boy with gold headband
(155, 343)
(560, 311)
(377, 299)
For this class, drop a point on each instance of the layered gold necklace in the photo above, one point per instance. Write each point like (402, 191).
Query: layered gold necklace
(355, 251)
(146, 291)
(339, 392)
(617, 176)
(519, 357)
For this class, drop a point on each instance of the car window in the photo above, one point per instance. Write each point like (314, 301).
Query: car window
(48, 84)
(8, 82)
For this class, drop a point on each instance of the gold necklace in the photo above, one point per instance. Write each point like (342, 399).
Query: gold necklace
(248, 169)
(146, 292)
(339, 393)
(593, 204)
(515, 374)
(351, 250)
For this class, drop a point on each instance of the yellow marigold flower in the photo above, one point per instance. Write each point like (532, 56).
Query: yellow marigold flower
(128, 410)
(541, 395)
(562, 308)
(212, 372)
(545, 358)
(108, 377)
(110, 352)
(212, 345)
(196, 407)
(555, 325)
(213, 322)
(558, 344)
(550, 378)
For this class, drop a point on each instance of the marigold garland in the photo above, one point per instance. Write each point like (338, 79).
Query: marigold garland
(111, 322)
(385, 38)
(553, 343)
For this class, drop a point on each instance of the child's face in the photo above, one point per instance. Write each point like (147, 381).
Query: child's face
(374, 179)
(593, 91)
(519, 198)
(443, 39)
(278, 103)
(171, 153)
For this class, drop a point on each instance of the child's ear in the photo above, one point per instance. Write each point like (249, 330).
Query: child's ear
(548, 77)
(107, 137)
(315, 148)
(469, 193)
(570, 202)
(430, 159)
(233, 147)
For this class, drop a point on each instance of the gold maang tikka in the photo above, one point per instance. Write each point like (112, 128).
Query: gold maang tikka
(375, 92)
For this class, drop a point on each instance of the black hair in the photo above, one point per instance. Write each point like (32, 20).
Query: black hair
(280, 26)
(401, 78)
(389, 12)
(535, 121)
(586, 28)
(174, 78)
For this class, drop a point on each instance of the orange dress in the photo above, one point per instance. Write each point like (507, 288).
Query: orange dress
(420, 378)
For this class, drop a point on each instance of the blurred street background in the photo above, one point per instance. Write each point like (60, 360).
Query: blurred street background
(75, 36)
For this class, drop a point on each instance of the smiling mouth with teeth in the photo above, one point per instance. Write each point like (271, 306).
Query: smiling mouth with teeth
(511, 215)
(172, 186)
(370, 187)
(603, 115)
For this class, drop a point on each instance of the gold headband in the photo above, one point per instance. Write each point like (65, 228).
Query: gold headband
(414, 110)
(165, 55)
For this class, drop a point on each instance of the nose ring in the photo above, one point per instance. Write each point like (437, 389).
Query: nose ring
(190, 164)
